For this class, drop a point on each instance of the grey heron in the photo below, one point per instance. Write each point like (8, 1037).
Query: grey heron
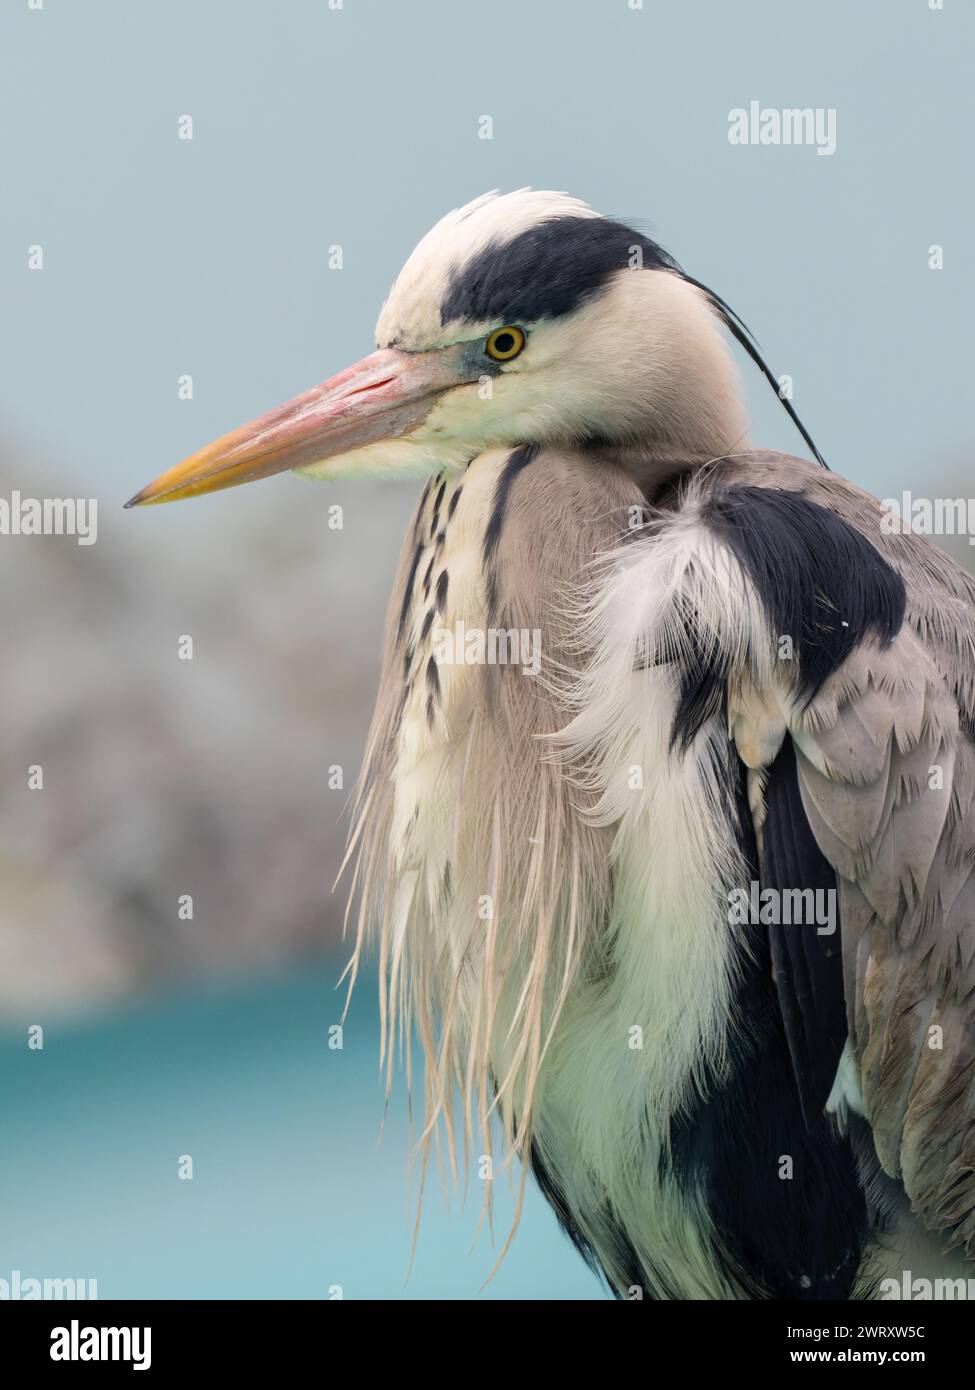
(690, 903)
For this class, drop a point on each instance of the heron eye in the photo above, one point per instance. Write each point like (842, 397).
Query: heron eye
(504, 343)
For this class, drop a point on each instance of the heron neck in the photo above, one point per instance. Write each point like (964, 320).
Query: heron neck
(694, 411)
(681, 445)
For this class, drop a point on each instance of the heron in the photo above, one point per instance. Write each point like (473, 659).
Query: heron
(686, 909)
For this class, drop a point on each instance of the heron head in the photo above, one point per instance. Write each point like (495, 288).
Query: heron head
(519, 318)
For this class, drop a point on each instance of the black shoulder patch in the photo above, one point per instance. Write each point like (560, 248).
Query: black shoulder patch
(800, 1237)
(820, 581)
(807, 964)
(547, 270)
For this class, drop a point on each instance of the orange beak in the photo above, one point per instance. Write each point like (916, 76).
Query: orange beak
(386, 395)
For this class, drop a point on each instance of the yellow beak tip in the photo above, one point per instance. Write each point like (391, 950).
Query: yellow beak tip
(139, 500)
(153, 494)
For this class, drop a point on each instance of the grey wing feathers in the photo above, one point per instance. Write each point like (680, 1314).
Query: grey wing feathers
(886, 773)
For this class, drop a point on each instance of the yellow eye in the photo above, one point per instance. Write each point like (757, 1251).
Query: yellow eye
(504, 343)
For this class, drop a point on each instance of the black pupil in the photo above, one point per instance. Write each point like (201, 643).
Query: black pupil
(504, 342)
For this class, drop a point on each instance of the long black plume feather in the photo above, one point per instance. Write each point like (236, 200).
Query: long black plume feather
(743, 335)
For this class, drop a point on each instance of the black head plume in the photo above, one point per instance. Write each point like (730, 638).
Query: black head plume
(743, 335)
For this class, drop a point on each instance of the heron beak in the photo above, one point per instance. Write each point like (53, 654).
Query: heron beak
(385, 395)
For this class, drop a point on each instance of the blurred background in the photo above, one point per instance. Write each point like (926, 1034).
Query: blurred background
(317, 124)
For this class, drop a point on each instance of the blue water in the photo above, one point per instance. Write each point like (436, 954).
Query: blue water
(290, 1196)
